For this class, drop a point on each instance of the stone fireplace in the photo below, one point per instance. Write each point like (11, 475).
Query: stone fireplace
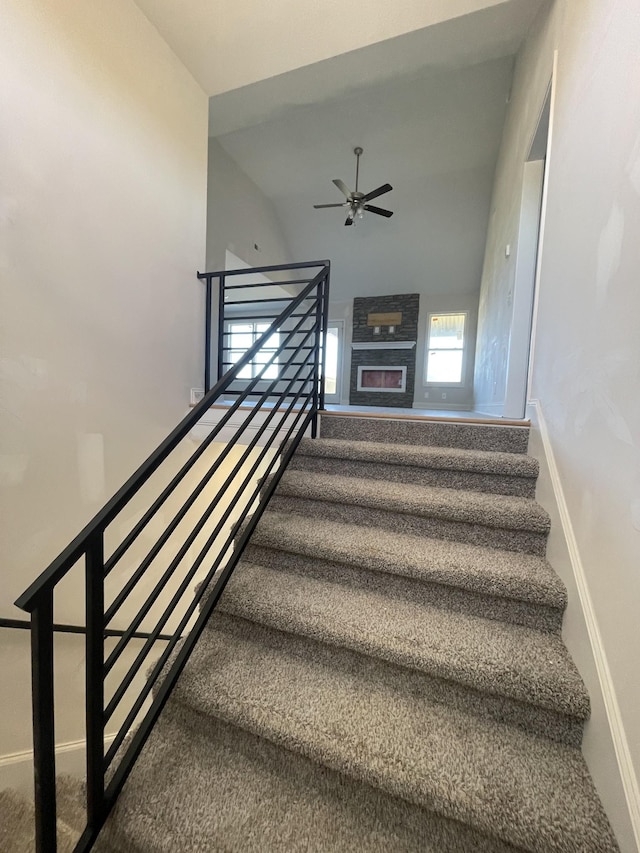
(383, 357)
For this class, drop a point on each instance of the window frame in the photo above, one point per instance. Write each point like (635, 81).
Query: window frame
(464, 348)
(255, 334)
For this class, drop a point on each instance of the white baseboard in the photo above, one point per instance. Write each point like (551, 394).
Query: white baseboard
(628, 777)
(16, 769)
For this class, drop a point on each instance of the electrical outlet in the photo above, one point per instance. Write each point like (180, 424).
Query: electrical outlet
(444, 395)
(196, 395)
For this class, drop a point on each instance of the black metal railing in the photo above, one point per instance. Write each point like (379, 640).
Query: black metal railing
(212, 504)
(239, 297)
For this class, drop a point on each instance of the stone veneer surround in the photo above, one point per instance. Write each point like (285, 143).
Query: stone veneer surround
(408, 304)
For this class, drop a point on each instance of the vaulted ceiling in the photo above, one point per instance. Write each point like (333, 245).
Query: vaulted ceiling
(434, 136)
(427, 105)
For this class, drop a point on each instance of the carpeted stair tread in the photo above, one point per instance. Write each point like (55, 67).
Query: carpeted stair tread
(497, 657)
(492, 437)
(523, 577)
(497, 511)
(523, 789)
(204, 785)
(459, 459)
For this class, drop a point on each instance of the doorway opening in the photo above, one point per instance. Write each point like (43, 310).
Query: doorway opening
(530, 232)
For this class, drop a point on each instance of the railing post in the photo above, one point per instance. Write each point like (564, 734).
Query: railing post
(44, 745)
(94, 666)
(207, 337)
(221, 327)
(316, 360)
(325, 323)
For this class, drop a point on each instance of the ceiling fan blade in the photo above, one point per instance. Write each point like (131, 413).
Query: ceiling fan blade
(318, 206)
(385, 188)
(379, 210)
(342, 187)
(349, 220)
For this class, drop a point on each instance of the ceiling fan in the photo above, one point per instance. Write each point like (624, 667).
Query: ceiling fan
(356, 203)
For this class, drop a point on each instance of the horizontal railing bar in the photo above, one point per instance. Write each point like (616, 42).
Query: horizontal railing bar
(279, 379)
(273, 283)
(256, 302)
(225, 347)
(139, 738)
(168, 490)
(256, 393)
(61, 628)
(142, 612)
(70, 555)
(281, 366)
(266, 404)
(115, 745)
(265, 284)
(305, 265)
(259, 317)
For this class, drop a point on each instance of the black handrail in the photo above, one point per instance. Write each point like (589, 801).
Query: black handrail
(291, 402)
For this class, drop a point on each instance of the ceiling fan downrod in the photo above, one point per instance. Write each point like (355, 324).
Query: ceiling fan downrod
(357, 151)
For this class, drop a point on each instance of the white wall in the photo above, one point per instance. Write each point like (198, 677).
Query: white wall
(69, 664)
(586, 358)
(103, 181)
(239, 216)
(530, 81)
(239, 219)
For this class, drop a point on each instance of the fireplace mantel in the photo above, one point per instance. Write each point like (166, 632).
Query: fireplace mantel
(374, 345)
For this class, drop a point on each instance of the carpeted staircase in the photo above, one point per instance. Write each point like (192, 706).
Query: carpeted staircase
(384, 671)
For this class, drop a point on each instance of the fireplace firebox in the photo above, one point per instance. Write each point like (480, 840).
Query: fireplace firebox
(382, 379)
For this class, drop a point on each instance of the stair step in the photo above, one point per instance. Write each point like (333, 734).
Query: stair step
(507, 439)
(520, 588)
(505, 660)
(498, 521)
(489, 570)
(498, 780)
(479, 470)
(255, 797)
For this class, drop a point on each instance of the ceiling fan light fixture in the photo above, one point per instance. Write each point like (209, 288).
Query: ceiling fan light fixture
(356, 201)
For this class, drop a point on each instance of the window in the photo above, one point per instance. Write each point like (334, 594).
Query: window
(332, 360)
(445, 348)
(241, 337)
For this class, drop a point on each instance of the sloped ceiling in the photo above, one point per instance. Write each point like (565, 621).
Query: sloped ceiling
(231, 43)
(433, 135)
(421, 86)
